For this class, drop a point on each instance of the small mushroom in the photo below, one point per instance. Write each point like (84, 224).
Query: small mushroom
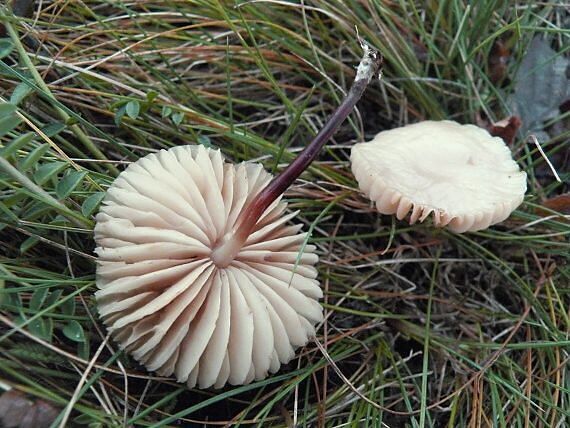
(199, 273)
(169, 304)
(460, 174)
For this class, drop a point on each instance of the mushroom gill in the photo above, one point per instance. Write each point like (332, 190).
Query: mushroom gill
(169, 304)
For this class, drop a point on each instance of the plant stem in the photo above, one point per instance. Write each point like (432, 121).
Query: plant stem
(230, 245)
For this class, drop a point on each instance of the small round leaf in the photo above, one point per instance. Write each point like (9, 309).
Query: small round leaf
(74, 331)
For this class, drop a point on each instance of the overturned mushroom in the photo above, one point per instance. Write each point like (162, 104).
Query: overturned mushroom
(165, 299)
(459, 173)
(199, 274)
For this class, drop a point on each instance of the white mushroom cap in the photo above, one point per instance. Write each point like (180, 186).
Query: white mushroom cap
(168, 304)
(460, 173)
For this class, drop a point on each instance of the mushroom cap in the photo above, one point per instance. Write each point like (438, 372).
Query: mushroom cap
(459, 173)
(168, 304)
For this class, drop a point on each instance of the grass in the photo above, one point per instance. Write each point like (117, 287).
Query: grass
(423, 327)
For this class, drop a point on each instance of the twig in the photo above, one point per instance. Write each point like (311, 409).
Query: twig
(77, 391)
(537, 144)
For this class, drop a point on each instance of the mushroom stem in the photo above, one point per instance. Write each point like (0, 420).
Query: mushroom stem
(230, 245)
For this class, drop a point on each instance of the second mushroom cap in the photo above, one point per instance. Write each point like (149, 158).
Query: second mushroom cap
(459, 173)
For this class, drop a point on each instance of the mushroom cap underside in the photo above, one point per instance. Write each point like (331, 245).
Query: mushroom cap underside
(168, 304)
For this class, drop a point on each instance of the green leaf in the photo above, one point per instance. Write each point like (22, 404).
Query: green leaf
(72, 120)
(91, 203)
(35, 210)
(38, 298)
(53, 297)
(205, 141)
(6, 47)
(74, 331)
(119, 114)
(19, 320)
(151, 96)
(60, 220)
(20, 93)
(8, 119)
(166, 111)
(28, 244)
(68, 184)
(68, 306)
(133, 108)
(42, 328)
(83, 349)
(53, 129)
(6, 109)
(83, 419)
(33, 158)
(7, 124)
(17, 144)
(5, 208)
(48, 170)
(13, 299)
(177, 118)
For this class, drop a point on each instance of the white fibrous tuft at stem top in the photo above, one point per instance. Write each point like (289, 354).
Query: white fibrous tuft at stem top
(368, 65)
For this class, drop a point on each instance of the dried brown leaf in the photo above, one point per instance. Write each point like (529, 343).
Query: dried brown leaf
(506, 129)
(498, 59)
(560, 203)
(18, 411)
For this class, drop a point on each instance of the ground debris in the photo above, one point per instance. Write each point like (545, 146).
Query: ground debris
(18, 411)
(541, 85)
(560, 203)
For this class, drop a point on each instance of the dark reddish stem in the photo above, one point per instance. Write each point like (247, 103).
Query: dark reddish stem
(369, 66)
(282, 181)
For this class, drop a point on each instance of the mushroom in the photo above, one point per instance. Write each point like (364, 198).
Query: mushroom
(199, 273)
(169, 304)
(459, 173)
